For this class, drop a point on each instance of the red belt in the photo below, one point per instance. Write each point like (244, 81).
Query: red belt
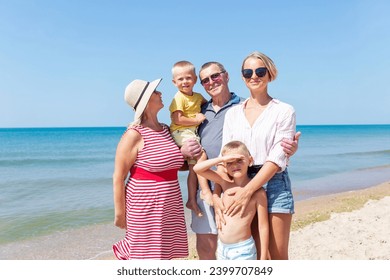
(142, 174)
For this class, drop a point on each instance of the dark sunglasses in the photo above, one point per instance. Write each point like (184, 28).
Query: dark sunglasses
(260, 72)
(213, 77)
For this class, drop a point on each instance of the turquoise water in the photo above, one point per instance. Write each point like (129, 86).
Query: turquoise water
(53, 179)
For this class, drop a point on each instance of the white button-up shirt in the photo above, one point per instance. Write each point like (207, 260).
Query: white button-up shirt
(263, 139)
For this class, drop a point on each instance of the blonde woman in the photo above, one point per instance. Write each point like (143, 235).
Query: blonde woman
(262, 122)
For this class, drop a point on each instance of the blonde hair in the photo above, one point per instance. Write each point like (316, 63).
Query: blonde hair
(268, 63)
(236, 145)
(183, 64)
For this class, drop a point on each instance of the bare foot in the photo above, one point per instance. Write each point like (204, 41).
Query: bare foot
(193, 206)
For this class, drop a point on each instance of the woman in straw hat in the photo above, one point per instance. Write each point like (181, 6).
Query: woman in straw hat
(149, 205)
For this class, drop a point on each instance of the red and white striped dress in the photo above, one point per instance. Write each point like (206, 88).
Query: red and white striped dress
(155, 219)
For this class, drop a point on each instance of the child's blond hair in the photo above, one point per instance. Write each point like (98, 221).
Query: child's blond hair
(183, 64)
(236, 145)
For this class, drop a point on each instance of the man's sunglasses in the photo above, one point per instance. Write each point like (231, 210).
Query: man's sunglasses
(213, 77)
(260, 72)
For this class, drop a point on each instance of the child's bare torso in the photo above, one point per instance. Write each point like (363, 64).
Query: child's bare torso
(237, 228)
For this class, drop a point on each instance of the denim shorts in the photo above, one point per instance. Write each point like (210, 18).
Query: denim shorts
(279, 195)
(244, 250)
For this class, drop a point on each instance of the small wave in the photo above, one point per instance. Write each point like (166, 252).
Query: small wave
(386, 166)
(366, 153)
(26, 162)
(31, 226)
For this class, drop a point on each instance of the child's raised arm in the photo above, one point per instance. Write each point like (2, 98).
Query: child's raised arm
(203, 169)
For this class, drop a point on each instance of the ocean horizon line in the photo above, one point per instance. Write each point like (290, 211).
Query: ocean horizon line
(119, 126)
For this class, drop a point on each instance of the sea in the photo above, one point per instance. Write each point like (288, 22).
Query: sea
(55, 179)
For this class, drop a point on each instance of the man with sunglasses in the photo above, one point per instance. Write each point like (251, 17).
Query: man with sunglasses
(214, 78)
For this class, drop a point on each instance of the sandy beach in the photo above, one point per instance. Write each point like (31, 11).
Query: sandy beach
(353, 225)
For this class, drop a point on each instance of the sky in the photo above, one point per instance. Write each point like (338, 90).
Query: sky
(67, 63)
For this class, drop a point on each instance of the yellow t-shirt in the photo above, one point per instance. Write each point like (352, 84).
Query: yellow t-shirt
(188, 104)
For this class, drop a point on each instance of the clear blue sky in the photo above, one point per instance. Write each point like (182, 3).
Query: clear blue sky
(67, 63)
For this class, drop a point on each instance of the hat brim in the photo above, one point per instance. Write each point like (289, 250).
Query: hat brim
(145, 99)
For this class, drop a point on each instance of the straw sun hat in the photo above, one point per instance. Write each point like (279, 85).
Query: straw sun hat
(137, 95)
